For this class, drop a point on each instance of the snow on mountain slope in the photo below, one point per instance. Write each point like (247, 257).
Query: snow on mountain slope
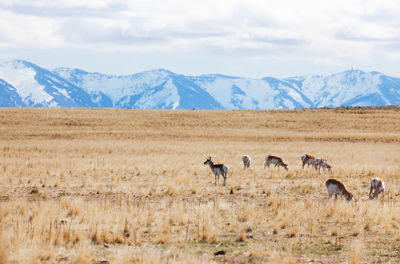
(90, 83)
(163, 96)
(290, 93)
(390, 89)
(9, 96)
(160, 89)
(23, 79)
(246, 93)
(25, 84)
(115, 87)
(353, 88)
(193, 96)
(39, 87)
(349, 88)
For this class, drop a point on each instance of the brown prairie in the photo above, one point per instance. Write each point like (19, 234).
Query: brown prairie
(128, 186)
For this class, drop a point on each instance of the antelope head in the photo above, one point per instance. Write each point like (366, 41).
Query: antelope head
(208, 161)
(286, 167)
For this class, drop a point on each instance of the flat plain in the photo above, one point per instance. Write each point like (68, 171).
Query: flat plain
(130, 186)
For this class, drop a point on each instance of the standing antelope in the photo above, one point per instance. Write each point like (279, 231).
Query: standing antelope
(274, 160)
(307, 159)
(378, 186)
(338, 188)
(217, 169)
(246, 161)
(322, 163)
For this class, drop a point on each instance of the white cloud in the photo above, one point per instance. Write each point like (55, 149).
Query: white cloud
(319, 30)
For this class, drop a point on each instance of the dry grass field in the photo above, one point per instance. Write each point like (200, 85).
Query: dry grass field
(129, 186)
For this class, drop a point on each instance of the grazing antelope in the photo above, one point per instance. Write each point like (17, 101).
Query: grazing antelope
(307, 159)
(378, 186)
(246, 161)
(322, 163)
(338, 188)
(217, 169)
(274, 160)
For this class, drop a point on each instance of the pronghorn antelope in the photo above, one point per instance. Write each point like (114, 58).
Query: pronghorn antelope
(322, 163)
(338, 188)
(217, 169)
(378, 186)
(246, 161)
(307, 159)
(274, 160)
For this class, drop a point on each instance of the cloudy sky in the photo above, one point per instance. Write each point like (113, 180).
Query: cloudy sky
(253, 38)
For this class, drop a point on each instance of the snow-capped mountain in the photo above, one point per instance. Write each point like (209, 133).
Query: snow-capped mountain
(39, 87)
(156, 89)
(25, 84)
(245, 93)
(9, 95)
(350, 88)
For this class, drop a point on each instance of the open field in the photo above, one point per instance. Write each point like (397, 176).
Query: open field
(129, 186)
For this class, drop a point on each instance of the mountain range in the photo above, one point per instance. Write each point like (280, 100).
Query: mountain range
(24, 84)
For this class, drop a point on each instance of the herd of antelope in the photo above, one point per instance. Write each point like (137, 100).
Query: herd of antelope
(333, 186)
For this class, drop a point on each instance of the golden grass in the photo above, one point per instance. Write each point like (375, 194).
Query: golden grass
(129, 186)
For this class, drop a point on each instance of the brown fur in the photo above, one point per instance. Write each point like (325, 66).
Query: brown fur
(378, 186)
(340, 187)
(307, 159)
(246, 161)
(217, 169)
(322, 163)
(279, 162)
